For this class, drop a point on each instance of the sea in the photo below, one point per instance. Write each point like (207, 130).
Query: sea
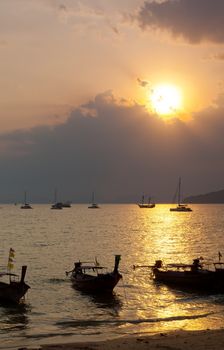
(49, 241)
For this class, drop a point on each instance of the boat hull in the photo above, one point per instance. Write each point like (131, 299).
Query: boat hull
(102, 283)
(12, 292)
(202, 279)
(57, 206)
(94, 206)
(26, 206)
(146, 205)
(181, 209)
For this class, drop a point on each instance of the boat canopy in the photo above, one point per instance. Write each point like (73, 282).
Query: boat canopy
(89, 267)
(8, 274)
(220, 263)
(179, 266)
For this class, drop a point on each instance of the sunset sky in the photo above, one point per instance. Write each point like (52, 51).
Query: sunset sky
(83, 105)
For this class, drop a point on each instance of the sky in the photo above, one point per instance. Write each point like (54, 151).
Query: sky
(78, 108)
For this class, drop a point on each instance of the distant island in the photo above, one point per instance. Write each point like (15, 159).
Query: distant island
(211, 197)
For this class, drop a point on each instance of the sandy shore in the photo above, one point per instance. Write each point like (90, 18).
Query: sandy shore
(179, 340)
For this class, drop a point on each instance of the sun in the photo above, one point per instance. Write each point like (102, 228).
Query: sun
(165, 99)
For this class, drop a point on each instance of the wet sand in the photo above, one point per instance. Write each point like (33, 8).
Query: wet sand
(179, 340)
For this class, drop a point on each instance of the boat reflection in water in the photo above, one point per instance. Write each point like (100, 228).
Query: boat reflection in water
(105, 301)
(15, 316)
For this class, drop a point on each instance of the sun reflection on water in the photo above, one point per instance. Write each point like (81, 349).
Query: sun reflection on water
(173, 237)
(49, 242)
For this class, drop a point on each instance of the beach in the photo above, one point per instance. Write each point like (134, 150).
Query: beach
(178, 340)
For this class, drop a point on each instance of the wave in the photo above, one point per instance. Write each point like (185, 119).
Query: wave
(91, 323)
(56, 280)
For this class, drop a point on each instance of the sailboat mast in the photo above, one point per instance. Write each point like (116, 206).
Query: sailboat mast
(55, 195)
(179, 189)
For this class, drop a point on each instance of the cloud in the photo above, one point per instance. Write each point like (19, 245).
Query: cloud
(62, 8)
(142, 83)
(115, 30)
(219, 56)
(117, 150)
(194, 20)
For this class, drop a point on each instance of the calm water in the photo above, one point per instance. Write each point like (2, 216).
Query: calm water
(49, 241)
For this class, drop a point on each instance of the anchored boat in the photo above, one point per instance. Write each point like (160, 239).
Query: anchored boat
(25, 205)
(180, 206)
(146, 205)
(91, 278)
(191, 276)
(94, 205)
(13, 291)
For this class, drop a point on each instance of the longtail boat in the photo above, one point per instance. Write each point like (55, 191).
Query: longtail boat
(186, 275)
(14, 290)
(91, 278)
(191, 276)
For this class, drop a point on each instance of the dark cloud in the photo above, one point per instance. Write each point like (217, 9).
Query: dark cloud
(62, 7)
(194, 20)
(142, 83)
(115, 30)
(117, 150)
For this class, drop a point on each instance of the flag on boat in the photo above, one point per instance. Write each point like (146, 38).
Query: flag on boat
(11, 253)
(96, 262)
(10, 259)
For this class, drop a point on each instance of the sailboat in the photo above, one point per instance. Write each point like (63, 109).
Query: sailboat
(93, 205)
(180, 207)
(56, 205)
(25, 205)
(146, 205)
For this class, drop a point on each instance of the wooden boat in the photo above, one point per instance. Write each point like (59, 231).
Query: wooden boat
(193, 276)
(146, 205)
(189, 276)
(95, 281)
(219, 267)
(180, 206)
(93, 205)
(13, 291)
(25, 205)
